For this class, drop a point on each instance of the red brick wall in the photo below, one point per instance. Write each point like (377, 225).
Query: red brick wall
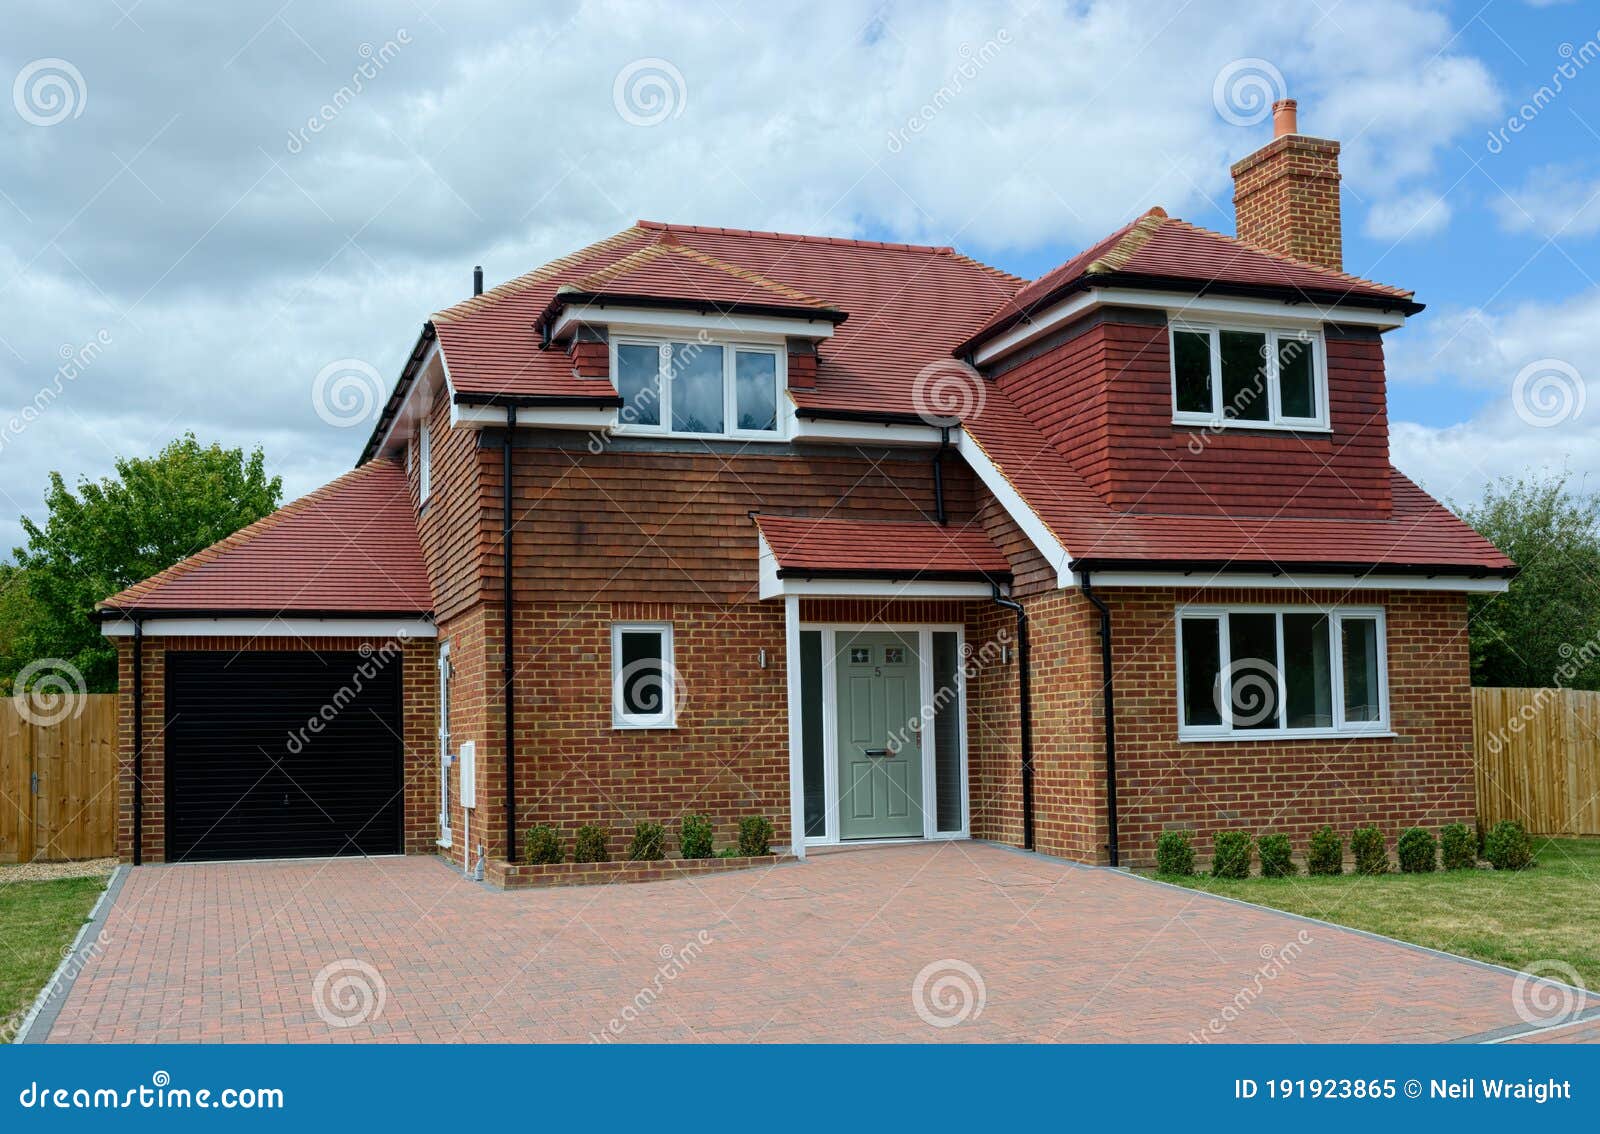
(1286, 199)
(418, 690)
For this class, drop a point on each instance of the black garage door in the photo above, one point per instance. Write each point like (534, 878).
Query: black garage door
(248, 777)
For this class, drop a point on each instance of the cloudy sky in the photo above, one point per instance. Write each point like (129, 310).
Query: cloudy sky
(175, 228)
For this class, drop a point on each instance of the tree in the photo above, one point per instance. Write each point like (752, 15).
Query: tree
(1545, 630)
(17, 610)
(111, 534)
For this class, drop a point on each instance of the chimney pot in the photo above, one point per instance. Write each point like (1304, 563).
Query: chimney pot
(1285, 117)
(477, 280)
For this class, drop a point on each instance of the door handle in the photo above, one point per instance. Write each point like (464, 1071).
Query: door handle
(877, 752)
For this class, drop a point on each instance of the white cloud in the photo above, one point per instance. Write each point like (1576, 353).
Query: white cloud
(1556, 201)
(1409, 217)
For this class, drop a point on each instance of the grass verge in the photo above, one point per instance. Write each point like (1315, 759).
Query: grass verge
(37, 921)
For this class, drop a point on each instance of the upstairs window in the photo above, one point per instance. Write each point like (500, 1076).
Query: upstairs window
(1260, 377)
(698, 389)
(1297, 671)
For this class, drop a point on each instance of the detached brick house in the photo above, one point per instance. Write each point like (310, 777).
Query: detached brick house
(867, 538)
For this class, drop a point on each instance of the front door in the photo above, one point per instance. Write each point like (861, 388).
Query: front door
(880, 746)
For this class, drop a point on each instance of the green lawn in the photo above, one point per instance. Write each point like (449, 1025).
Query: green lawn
(1548, 912)
(37, 921)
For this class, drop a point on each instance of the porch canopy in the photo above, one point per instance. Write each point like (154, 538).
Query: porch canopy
(806, 555)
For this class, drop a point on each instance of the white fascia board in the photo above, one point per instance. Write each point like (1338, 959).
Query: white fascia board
(1021, 513)
(288, 627)
(648, 320)
(881, 588)
(1297, 582)
(863, 432)
(1180, 305)
(542, 417)
(435, 354)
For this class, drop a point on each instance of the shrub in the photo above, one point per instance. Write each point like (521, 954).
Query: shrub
(1275, 861)
(1372, 857)
(755, 835)
(1507, 846)
(590, 845)
(1419, 851)
(694, 837)
(1230, 854)
(1460, 847)
(542, 846)
(648, 840)
(1326, 854)
(1175, 854)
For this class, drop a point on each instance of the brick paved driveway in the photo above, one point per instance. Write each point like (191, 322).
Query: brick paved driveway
(829, 949)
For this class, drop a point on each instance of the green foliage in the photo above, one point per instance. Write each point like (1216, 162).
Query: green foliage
(1326, 854)
(1230, 854)
(1419, 851)
(695, 837)
(1372, 857)
(728, 852)
(1507, 846)
(590, 845)
(542, 846)
(649, 840)
(115, 532)
(755, 835)
(1460, 847)
(1175, 854)
(18, 610)
(1528, 636)
(1276, 860)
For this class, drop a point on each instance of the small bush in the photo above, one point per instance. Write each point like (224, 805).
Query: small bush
(1275, 851)
(1174, 854)
(1326, 854)
(1230, 854)
(1507, 846)
(1460, 847)
(590, 845)
(728, 852)
(755, 835)
(1419, 851)
(1372, 857)
(695, 836)
(648, 841)
(542, 846)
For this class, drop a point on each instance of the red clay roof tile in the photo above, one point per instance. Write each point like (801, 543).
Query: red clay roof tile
(877, 547)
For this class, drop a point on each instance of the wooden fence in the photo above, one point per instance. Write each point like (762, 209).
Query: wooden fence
(58, 783)
(1538, 758)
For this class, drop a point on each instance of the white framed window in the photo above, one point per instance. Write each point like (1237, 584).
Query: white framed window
(424, 465)
(700, 388)
(644, 682)
(1248, 377)
(1248, 672)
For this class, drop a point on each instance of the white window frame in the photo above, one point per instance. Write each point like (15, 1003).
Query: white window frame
(1336, 617)
(425, 465)
(730, 348)
(667, 718)
(1275, 334)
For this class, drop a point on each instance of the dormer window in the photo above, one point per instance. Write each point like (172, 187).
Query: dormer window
(1248, 377)
(697, 389)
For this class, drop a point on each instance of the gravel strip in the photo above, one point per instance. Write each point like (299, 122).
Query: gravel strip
(50, 871)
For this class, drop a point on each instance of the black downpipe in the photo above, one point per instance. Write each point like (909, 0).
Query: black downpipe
(138, 742)
(1024, 712)
(1109, 692)
(505, 636)
(938, 476)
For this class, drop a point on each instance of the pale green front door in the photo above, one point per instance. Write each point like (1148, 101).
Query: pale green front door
(880, 748)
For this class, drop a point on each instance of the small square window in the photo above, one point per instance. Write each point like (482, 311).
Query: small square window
(860, 655)
(644, 685)
(894, 655)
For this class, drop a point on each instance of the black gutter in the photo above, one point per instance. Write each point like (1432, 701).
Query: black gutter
(533, 401)
(874, 417)
(1108, 693)
(507, 622)
(138, 742)
(894, 574)
(1360, 570)
(1024, 712)
(408, 375)
(156, 613)
(938, 477)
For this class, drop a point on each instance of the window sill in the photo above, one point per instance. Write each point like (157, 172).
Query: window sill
(632, 726)
(1211, 425)
(1244, 735)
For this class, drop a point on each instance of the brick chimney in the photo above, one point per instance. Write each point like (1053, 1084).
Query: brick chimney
(1286, 194)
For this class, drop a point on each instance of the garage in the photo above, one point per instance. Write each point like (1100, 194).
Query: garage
(283, 754)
